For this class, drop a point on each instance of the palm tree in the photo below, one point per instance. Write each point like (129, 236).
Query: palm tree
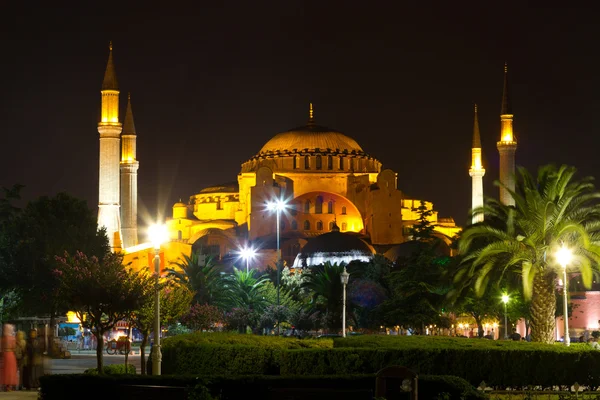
(551, 210)
(204, 280)
(245, 290)
(326, 287)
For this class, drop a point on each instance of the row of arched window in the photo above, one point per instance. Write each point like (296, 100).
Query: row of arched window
(319, 206)
(319, 162)
(319, 225)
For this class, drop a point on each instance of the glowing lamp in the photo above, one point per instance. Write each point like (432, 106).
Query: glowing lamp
(158, 234)
(247, 253)
(564, 256)
(505, 298)
(277, 205)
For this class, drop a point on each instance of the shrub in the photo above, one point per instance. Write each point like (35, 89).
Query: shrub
(113, 369)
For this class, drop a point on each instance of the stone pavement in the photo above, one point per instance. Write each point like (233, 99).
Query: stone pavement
(19, 395)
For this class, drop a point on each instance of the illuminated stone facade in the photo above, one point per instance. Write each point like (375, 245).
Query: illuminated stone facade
(326, 178)
(109, 129)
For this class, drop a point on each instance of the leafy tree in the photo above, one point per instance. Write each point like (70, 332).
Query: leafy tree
(45, 228)
(326, 288)
(100, 292)
(551, 210)
(422, 229)
(174, 300)
(204, 280)
(293, 281)
(245, 290)
(202, 317)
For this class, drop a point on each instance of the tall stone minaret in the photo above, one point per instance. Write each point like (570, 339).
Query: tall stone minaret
(129, 168)
(109, 128)
(476, 171)
(507, 146)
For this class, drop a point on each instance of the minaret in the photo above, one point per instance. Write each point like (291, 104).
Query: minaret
(109, 128)
(129, 168)
(507, 146)
(476, 171)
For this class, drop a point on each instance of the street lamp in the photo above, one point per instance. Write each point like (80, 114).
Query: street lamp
(278, 206)
(158, 234)
(344, 277)
(247, 253)
(564, 256)
(505, 299)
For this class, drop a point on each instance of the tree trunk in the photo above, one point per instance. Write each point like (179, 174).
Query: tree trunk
(479, 325)
(543, 308)
(143, 351)
(99, 350)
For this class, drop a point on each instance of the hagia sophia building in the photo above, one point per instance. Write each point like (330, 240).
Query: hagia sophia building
(341, 204)
(332, 188)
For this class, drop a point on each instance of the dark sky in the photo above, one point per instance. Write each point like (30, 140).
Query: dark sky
(212, 82)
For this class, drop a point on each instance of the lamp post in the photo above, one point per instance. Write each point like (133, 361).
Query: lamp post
(505, 299)
(158, 235)
(278, 206)
(564, 256)
(344, 277)
(247, 253)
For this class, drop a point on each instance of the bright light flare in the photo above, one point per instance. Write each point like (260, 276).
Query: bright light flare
(277, 205)
(564, 256)
(158, 235)
(505, 298)
(247, 253)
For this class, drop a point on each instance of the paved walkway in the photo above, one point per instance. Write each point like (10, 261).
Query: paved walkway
(19, 394)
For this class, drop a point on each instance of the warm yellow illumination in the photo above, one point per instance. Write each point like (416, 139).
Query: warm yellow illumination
(110, 107)
(506, 128)
(158, 234)
(72, 318)
(476, 159)
(505, 298)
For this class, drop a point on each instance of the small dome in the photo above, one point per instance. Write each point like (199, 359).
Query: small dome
(311, 137)
(179, 205)
(335, 247)
(229, 187)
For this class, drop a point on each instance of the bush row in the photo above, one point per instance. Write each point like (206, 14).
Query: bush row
(113, 369)
(226, 387)
(227, 338)
(497, 367)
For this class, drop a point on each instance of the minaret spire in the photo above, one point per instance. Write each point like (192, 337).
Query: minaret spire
(507, 146)
(311, 119)
(109, 129)
(110, 76)
(129, 168)
(476, 172)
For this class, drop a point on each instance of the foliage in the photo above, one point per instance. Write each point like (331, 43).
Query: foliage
(174, 303)
(202, 317)
(45, 228)
(273, 314)
(245, 290)
(204, 280)
(550, 211)
(422, 229)
(239, 318)
(100, 292)
(66, 331)
(114, 369)
(326, 287)
(293, 282)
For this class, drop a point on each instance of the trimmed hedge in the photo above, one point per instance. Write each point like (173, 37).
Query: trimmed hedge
(113, 369)
(225, 338)
(498, 368)
(225, 388)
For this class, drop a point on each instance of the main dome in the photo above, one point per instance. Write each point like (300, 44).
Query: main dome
(311, 137)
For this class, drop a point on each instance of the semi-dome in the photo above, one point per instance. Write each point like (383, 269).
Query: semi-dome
(333, 247)
(311, 137)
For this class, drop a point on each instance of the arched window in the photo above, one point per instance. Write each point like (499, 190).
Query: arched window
(331, 225)
(330, 207)
(307, 207)
(341, 164)
(344, 210)
(319, 163)
(294, 225)
(306, 226)
(319, 205)
(344, 226)
(306, 162)
(295, 162)
(329, 162)
(179, 235)
(319, 225)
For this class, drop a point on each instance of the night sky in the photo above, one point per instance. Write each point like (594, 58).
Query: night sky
(211, 84)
